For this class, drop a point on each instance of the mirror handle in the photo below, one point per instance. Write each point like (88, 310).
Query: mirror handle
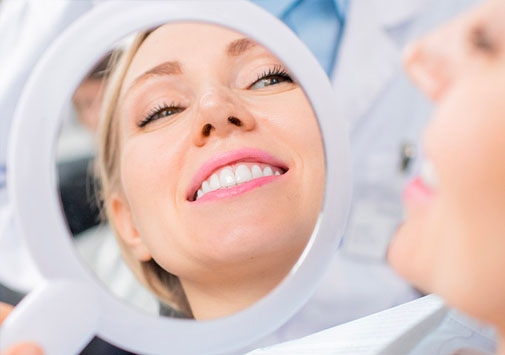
(61, 316)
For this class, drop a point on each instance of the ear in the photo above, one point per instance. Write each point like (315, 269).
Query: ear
(126, 228)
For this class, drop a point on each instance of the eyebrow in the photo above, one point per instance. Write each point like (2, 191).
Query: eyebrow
(234, 49)
(166, 68)
(239, 46)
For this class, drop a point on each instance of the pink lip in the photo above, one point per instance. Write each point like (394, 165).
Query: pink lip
(237, 190)
(417, 193)
(236, 156)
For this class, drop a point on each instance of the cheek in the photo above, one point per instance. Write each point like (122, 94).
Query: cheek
(465, 142)
(150, 185)
(297, 121)
(144, 166)
(288, 118)
(467, 147)
(294, 123)
(307, 139)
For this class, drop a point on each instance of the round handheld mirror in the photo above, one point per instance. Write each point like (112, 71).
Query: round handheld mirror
(221, 144)
(212, 172)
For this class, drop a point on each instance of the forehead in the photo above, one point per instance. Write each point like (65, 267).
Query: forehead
(182, 42)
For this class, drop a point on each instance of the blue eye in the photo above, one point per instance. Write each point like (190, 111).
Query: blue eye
(158, 112)
(273, 76)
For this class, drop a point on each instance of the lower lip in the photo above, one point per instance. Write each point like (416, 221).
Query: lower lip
(238, 190)
(417, 193)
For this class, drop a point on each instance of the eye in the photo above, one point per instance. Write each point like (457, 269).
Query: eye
(158, 112)
(272, 76)
(481, 41)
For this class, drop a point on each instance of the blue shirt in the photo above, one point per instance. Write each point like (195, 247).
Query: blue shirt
(318, 23)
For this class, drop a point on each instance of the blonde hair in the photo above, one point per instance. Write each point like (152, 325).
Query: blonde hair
(165, 285)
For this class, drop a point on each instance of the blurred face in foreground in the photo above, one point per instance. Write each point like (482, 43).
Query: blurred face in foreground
(453, 239)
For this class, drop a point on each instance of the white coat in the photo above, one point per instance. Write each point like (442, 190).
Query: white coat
(27, 27)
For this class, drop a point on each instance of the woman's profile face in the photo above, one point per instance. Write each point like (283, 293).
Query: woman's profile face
(222, 164)
(453, 239)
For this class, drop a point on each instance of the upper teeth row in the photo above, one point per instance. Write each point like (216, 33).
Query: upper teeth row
(428, 174)
(227, 178)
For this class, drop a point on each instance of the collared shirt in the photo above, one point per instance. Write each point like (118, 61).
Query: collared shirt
(318, 23)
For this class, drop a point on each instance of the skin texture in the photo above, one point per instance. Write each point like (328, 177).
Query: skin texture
(453, 242)
(227, 253)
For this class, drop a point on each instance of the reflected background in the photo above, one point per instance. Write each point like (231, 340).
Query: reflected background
(221, 171)
(77, 182)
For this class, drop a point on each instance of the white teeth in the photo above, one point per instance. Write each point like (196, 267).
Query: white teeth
(256, 172)
(242, 174)
(428, 174)
(214, 182)
(206, 187)
(268, 171)
(227, 178)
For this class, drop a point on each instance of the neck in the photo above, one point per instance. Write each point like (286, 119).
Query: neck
(214, 297)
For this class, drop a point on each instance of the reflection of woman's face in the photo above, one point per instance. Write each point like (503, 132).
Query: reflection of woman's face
(222, 164)
(453, 240)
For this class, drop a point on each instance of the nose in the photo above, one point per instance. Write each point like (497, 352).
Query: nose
(220, 114)
(432, 62)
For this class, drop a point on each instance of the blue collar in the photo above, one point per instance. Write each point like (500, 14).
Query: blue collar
(279, 8)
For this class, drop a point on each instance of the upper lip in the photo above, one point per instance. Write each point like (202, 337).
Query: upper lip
(231, 157)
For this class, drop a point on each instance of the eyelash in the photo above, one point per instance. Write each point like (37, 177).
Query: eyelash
(275, 71)
(156, 111)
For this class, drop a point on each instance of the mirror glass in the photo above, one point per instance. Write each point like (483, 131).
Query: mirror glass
(191, 170)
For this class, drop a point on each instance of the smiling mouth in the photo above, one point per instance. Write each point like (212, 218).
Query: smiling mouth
(238, 174)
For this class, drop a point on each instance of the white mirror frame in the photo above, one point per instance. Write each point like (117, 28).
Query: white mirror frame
(32, 187)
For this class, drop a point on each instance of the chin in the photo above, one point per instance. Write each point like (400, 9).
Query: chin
(244, 240)
(410, 261)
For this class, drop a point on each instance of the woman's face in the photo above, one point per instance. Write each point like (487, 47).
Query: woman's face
(453, 239)
(222, 165)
